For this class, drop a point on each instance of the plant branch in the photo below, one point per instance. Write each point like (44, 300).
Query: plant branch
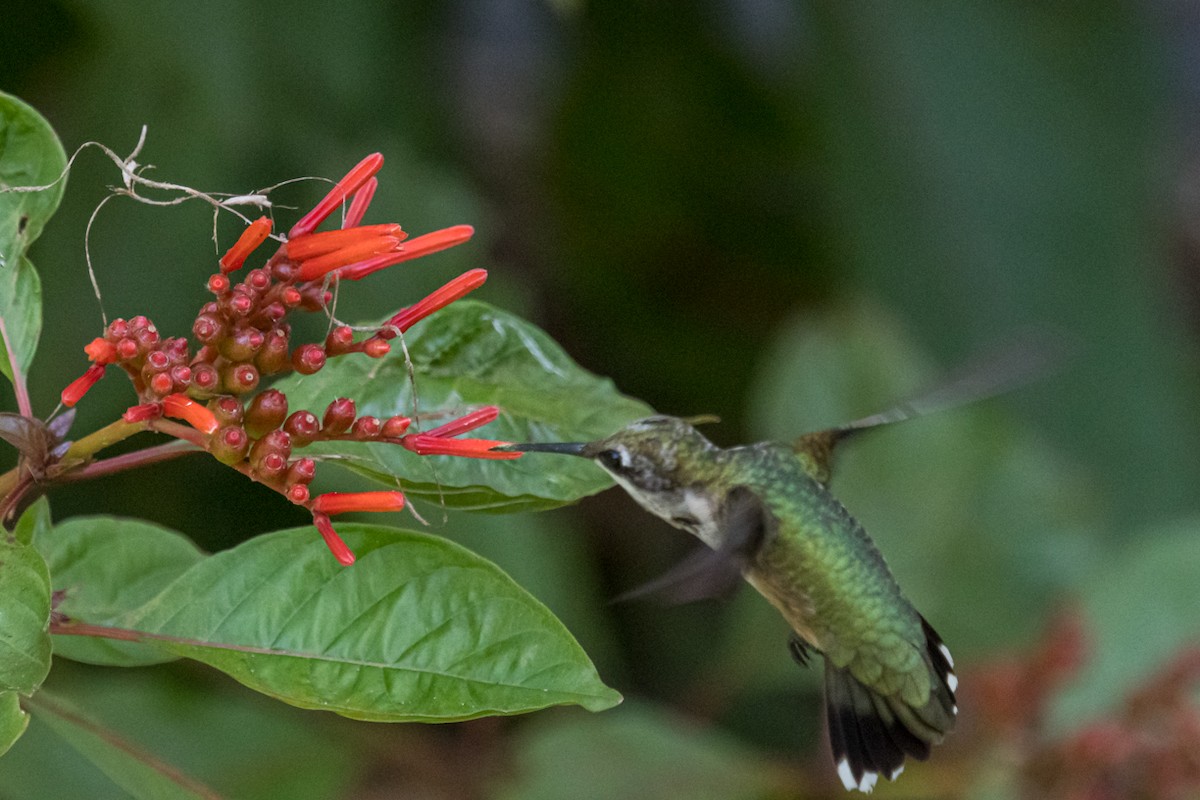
(139, 458)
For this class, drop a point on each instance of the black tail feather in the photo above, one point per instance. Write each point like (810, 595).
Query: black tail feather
(871, 734)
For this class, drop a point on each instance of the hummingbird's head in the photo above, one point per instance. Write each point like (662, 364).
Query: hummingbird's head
(656, 460)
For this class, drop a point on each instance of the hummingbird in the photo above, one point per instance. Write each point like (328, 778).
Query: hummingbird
(766, 515)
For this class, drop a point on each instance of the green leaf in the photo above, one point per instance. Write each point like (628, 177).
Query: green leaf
(24, 618)
(137, 771)
(418, 629)
(13, 720)
(467, 355)
(30, 155)
(34, 521)
(636, 751)
(107, 568)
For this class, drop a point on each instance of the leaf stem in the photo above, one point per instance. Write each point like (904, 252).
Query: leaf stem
(18, 377)
(140, 458)
(76, 462)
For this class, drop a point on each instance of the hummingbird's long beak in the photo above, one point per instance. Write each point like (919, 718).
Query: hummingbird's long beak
(567, 448)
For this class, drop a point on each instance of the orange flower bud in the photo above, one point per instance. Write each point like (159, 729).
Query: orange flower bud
(414, 248)
(425, 445)
(333, 503)
(254, 235)
(358, 206)
(77, 388)
(476, 419)
(180, 406)
(340, 551)
(454, 290)
(347, 186)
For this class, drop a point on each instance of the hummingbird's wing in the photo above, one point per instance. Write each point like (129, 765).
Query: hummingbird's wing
(745, 524)
(1001, 371)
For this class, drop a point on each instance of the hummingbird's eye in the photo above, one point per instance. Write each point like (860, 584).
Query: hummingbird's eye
(614, 460)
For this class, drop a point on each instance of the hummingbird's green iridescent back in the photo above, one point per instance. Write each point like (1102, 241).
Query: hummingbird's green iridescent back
(827, 577)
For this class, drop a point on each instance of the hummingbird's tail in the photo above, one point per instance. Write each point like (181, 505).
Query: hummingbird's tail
(871, 733)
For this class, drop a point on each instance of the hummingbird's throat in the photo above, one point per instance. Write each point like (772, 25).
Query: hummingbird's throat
(687, 508)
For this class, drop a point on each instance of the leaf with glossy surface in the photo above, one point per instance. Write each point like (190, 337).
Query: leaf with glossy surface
(137, 771)
(467, 355)
(13, 720)
(106, 568)
(418, 629)
(24, 618)
(30, 155)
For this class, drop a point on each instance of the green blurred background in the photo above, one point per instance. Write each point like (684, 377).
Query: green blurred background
(786, 214)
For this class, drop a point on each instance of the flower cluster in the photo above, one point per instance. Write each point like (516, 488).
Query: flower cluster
(242, 336)
(1146, 747)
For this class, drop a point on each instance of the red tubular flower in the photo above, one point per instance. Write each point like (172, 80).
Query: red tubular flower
(414, 248)
(358, 206)
(333, 503)
(347, 186)
(77, 388)
(340, 551)
(317, 267)
(180, 406)
(311, 245)
(423, 444)
(454, 290)
(476, 419)
(254, 235)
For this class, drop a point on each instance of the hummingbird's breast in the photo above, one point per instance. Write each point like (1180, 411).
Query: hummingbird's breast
(820, 569)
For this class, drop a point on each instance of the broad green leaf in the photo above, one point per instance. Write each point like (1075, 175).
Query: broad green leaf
(13, 720)
(1140, 609)
(24, 618)
(30, 155)
(134, 769)
(239, 743)
(34, 521)
(106, 568)
(467, 355)
(418, 629)
(636, 751)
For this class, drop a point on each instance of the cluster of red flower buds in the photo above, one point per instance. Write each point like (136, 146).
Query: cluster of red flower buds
(243, 336)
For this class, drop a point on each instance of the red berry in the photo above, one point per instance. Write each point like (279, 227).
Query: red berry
(308, 359)
(228, 410)
(365, 428)
(338, 417)
(205, 378)
(272, 357)
(239, 378)
(303, 427)
(266, 412)
(302, 470)
(230, 445)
